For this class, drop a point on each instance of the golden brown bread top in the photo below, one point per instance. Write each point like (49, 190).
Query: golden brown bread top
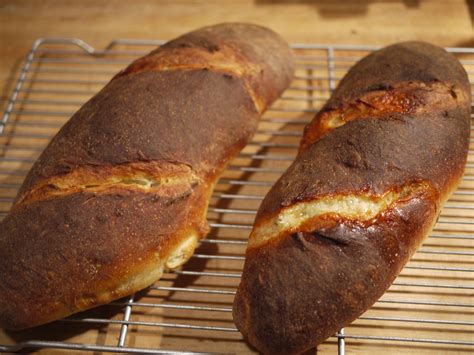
(373, 169)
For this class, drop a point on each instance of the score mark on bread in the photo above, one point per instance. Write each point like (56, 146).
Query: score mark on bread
(414, 98)
(160, 178)
(359, 208)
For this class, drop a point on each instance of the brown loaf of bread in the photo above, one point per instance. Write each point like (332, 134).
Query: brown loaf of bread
(373, 170)
(121, 192)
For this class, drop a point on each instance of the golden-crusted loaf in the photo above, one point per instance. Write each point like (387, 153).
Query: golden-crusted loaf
(372, 172)
(121, 192)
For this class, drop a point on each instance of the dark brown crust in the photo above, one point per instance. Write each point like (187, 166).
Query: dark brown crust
(66, 249)
(262, 58)
(298, 290)
(367, 155)
(407, 98)
(409, 62)
(72, 251)
(125, 123)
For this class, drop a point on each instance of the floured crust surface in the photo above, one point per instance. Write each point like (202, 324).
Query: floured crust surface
(373, 170)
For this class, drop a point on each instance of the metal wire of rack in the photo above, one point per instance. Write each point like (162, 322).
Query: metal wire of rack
(428, 309)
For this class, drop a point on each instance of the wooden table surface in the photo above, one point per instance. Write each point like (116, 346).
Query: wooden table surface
(447, 23)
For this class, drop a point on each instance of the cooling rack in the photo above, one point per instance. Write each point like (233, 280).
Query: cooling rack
(429, 308)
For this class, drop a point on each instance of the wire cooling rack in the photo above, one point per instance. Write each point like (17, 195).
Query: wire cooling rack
(429, 309)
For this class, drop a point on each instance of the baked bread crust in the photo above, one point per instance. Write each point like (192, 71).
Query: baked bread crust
(374, 168)
(121, 192)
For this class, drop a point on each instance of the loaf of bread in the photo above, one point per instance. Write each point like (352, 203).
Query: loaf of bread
(373, 170)
(121, 192)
